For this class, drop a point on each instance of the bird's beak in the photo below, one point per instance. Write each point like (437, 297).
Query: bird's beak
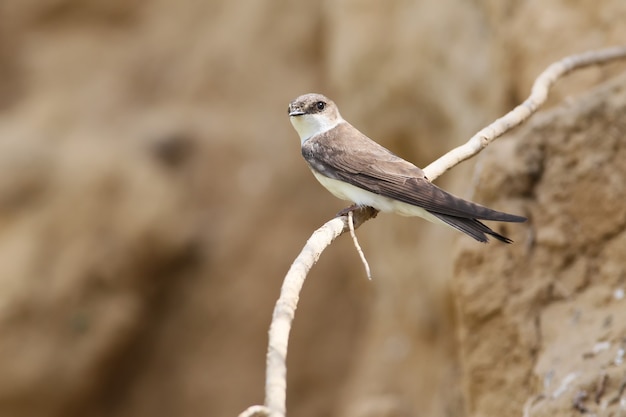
(294, 111)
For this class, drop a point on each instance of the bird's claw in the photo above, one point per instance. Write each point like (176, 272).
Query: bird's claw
(347, 210)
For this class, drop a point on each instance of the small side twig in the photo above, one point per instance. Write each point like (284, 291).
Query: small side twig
(358, 247)
(256, 411)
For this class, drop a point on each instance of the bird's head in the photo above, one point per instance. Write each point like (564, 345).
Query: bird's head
(312, 114)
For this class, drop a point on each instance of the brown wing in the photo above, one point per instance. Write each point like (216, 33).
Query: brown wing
(345, 154)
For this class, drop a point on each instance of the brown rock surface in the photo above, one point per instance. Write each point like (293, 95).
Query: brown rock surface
(547, 316)
(152, 197)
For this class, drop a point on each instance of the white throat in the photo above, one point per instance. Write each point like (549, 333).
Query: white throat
(309, 125)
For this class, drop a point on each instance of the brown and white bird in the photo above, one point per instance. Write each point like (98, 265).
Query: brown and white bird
(355, 168)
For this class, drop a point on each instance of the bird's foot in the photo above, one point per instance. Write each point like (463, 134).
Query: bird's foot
(360, 214)
(347, 210)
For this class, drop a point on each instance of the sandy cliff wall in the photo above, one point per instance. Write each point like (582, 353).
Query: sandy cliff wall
(542, 322)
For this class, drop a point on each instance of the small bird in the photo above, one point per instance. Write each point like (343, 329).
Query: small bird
(355, 168)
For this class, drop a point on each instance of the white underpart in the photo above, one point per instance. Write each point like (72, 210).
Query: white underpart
(308, 125)
(361, 197)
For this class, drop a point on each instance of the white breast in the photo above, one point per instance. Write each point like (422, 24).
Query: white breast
(309, 125)
(361, 197)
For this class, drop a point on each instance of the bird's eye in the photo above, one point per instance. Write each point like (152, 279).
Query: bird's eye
(320, 105)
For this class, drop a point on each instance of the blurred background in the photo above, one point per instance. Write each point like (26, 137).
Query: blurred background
(152, 197)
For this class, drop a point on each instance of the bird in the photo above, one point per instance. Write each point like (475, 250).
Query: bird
(355, 168)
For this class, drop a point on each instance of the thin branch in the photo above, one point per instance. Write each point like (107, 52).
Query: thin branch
(256, 411)
(368, 271)
(515, 117)
(284, 311)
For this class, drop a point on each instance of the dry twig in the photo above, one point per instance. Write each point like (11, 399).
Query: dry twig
(519, 114)
(357, 246)
(284, 311)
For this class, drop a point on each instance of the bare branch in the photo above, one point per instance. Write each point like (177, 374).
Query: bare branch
(368, 271)
(256, 411)
(284, 311)
(538, 96)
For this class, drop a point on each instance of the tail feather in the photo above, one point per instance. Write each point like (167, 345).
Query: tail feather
(471, 227)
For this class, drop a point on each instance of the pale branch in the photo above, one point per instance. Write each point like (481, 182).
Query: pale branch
(284, 311)
(519, 114)
(256, 411)
(368, 271)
